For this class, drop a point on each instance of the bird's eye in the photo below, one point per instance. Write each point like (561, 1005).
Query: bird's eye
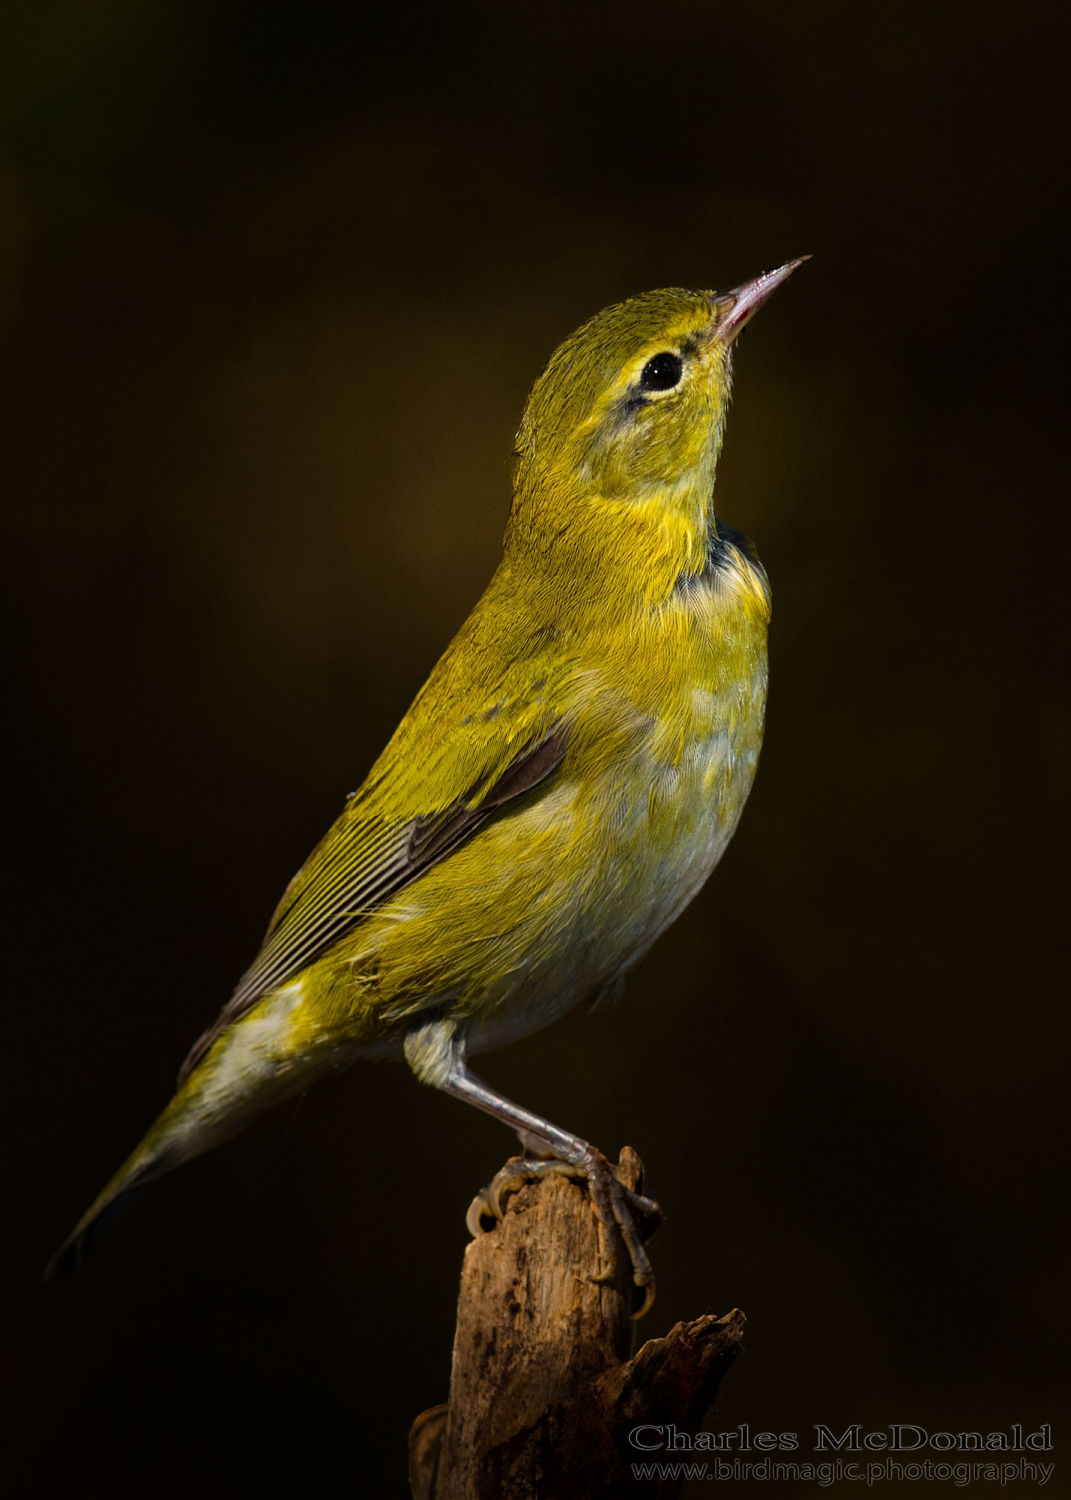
(661, 373)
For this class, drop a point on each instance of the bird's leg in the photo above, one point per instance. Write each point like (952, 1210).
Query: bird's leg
(614, 1203)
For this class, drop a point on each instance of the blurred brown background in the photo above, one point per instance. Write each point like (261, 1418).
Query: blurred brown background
(274, 280)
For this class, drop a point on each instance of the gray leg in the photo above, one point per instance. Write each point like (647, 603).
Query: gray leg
(436, 1054)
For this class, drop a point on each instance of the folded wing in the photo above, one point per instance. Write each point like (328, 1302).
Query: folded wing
(370, 853)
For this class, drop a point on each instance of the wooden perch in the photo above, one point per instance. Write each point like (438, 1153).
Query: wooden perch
(543, 1395)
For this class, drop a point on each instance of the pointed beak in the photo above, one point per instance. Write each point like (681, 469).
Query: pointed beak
(736, 307)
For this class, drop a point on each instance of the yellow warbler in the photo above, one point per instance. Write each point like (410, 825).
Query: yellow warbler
(562, 786)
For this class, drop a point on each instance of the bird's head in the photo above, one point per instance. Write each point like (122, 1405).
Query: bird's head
(632, 406)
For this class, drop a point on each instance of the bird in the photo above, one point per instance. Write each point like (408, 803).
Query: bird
(560, 789)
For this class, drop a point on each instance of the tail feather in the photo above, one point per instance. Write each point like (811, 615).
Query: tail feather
(70, 1257)
(248, 1068)
(169, 1142)
(116, 1198)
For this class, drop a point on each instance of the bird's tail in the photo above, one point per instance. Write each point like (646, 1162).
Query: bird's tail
(106, 1208)
(245, 1072)
(155, 1155)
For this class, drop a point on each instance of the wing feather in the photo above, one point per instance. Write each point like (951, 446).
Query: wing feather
(365, 860)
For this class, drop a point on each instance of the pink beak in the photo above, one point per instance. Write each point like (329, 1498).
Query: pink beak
(738, 306)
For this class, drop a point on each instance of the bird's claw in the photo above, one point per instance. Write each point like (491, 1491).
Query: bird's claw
(480, 1210)
(635, 1217)
(488, 1206)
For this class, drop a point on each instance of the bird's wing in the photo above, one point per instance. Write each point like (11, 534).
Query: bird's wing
(486, 760)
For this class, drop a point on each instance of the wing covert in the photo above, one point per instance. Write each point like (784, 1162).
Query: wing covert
(364, 860)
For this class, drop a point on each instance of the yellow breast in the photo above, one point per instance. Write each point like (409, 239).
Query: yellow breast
(669, 741)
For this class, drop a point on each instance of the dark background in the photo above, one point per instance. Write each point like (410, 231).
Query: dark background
(275, 279)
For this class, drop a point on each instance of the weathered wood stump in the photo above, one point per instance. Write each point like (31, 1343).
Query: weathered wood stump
(543, 1394)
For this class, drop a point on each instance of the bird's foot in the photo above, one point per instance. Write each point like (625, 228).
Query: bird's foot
(621, 1209)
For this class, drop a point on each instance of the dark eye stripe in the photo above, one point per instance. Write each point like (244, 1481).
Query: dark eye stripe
(661, 372)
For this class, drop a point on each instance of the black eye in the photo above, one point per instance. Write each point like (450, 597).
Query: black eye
(661, 373)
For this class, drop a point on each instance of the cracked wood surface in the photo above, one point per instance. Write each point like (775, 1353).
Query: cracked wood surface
(543, 1393)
